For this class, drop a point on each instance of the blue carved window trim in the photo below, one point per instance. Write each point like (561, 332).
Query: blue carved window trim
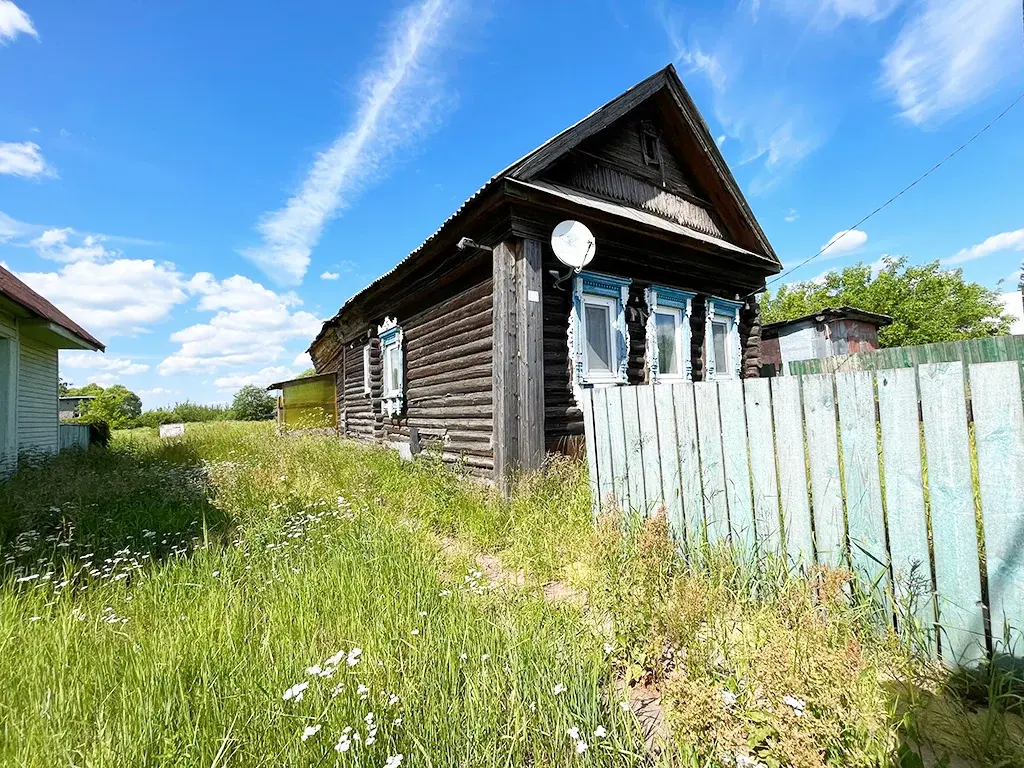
(658, 296)
(604, 286)
(723, 310)
(392, 339)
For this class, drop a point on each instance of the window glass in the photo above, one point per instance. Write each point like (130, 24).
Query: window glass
(394, 373)
(667, 326)
(598, 329)
(719, 334)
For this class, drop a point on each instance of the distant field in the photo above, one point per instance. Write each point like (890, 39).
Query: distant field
(235, 598)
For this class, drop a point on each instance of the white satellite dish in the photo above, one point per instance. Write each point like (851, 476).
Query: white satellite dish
(573, 244)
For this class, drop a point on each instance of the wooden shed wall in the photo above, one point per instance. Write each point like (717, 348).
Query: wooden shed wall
(448, 379)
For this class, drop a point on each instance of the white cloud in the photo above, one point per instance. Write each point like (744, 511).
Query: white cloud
(844, 242)
(400, 99)
(262, 378)
(252, 325)
(950, 55)
(826, 15)
(56, 245)
(14, 22)
(121, 297)
(329, 275)
(1004, 241)
(1013, 306)
(302, 361)
(24, 159)
(792, 216)
(100, 362)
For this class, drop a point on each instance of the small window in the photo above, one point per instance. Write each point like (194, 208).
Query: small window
(366, 370)
(597, 330)
(668, 334)
(392, 354)
(722, 341)
(650, 144)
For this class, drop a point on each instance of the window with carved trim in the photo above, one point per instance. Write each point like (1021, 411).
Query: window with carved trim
(722, 339)
(393, 357)
(598, 337)
(366, 370)
(668, 334)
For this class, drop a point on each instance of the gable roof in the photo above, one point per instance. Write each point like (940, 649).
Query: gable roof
(15, 290)
(528, 167)
(830, 313)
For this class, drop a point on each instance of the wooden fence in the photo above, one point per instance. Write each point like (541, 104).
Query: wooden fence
(895, 474)
(72, 436)
(970, 351)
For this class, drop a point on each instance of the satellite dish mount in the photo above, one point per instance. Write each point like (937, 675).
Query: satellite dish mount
(574, 246)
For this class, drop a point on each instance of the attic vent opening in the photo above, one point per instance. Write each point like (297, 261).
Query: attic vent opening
(650, 143)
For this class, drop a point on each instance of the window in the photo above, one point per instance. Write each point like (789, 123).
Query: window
(366, 370)
(668, 334)
(650, 144)
(598, 338)
(391, 340)
(722, 339)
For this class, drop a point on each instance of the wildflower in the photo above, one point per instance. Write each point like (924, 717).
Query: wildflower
(369, 719)
(600, 732)
(392, 700)
(354, 656)
(397, 722)
(624, 706)
(414, 632)
(797, 705)
(608, 648)
(363, 692)
(728, 698)
(310, 731)
(423, 613)
(215, 574)
(335, 660)
(316, 669)
(336, 691)
(558, 689)
(581, 747)
(485, 657)
(343, 745)
(573, 733)
(394, 761)
(463, 657)
(444, 592)
(745, 761)
(295, 692)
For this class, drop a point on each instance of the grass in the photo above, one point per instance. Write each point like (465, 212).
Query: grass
(157, 600)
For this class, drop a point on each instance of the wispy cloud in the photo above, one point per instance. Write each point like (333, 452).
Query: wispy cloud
(401, 97)
(328, 275)
(826, 15)
(24, 159)
(950, 55)
(792, 216)
(1004, 241)
(14, 22)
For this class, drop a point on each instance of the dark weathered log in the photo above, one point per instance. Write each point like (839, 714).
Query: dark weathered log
(455, 352)
(414, 349)
(424, 402)
(418, 378)
(465, 362)
(450, 388)
(474, 315)
(440, 309)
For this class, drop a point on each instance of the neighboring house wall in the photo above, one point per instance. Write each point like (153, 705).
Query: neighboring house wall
(810, 340)
(8, 394)
(37, 398)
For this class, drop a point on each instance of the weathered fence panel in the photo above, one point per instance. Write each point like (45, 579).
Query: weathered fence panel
(72, 436)
(874, 470)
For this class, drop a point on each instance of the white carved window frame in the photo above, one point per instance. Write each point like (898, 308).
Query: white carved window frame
(681, 303)
(727, 312)
(610, 291)
(366, 370)
(392, 354)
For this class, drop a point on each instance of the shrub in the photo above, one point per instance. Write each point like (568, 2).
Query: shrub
(252, 403)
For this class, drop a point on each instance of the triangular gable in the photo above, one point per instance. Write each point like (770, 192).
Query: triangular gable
(694, 153)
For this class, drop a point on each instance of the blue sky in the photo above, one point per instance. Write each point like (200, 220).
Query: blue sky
(200, 184)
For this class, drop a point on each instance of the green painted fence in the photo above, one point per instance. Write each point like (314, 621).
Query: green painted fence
(891, 473)
(996, 349)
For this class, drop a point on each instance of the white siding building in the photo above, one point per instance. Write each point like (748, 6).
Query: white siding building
(31, 332)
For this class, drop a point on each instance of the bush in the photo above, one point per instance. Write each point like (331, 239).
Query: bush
(117, 406)
(252, 403)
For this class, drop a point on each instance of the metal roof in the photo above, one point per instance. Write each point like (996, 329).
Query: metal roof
(832, 313)
(299, 380)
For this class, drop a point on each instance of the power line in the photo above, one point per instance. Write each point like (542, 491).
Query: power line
(903, 191)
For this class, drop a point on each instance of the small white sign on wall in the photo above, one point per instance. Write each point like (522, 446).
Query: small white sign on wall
(172, 430)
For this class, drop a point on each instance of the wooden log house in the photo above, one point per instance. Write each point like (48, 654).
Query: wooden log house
(480, 349)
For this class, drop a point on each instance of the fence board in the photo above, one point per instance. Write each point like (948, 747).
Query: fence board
(649, 449)
(709, 440)
(826, 486)
(904, 498)
(72, 436)
(668, 445)
(999, 436)
(951, 500)
(736, 462)
(789, 446)
(587, 405)
(634, 456)
(764, 477)
(617, 443)
(868, 553)
(689, 461)
(602, 443)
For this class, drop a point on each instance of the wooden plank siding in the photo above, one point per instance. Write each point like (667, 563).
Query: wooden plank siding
(37, 398)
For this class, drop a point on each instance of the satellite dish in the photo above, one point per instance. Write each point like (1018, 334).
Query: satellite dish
(573, 244)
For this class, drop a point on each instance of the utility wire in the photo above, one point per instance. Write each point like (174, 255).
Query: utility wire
(907, 188)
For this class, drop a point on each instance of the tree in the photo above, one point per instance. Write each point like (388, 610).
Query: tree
(307, 372)
(118, 406)
(252, 403)
(89, 389)
(927, 303)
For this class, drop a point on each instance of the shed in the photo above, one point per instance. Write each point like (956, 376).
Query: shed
(308, 402)
(31, 331)
(70, 406)
(828, 332)
(480, 343)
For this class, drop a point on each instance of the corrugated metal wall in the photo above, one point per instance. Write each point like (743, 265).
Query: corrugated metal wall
(991, 350)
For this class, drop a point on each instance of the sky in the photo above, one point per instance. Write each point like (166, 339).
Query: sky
(201, 184)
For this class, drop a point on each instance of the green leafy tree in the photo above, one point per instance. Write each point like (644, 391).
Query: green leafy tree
(926, 302)
(253, 403)
(88, 389)
(307, 372)
(118, 406)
